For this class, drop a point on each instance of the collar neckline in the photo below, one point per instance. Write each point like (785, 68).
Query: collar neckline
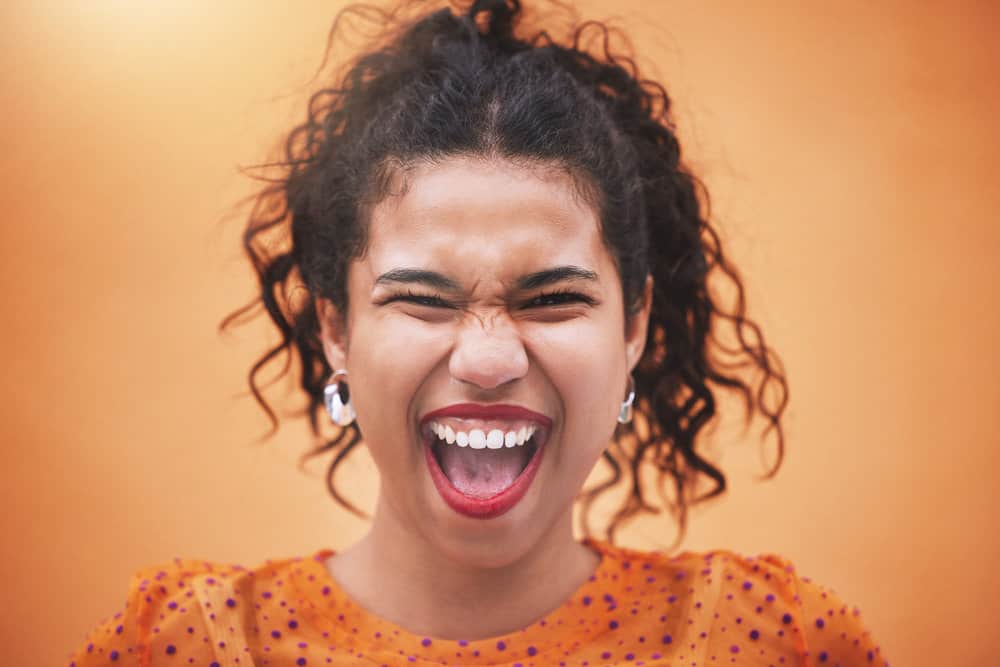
(326, 606)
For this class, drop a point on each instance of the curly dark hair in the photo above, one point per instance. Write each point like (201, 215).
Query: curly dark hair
(472, 80)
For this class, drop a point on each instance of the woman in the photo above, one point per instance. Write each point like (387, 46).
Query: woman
(506, 268)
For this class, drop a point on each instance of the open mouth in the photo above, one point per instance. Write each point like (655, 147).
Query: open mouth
(482, 469)
(480, 464)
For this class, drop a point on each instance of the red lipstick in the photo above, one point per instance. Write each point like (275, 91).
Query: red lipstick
(495, 411)
(493, 506)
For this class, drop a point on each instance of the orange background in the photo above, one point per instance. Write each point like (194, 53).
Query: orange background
(850, 149)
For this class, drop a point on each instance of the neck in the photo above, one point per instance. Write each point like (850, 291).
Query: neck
(398, 576)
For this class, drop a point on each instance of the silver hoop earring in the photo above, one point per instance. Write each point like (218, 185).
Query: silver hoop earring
(625, 413)
(337, 398)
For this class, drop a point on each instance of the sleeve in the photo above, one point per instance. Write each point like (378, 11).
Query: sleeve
(114, 640)
(835, 633)
(161, 623)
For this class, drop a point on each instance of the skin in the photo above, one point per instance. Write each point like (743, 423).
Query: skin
(483, 224)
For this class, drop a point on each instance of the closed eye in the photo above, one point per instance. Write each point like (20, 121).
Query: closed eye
(559, 298)
(431, 300)
(547, 299)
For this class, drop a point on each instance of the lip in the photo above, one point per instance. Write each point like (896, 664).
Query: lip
(495, 411)
(494, 506)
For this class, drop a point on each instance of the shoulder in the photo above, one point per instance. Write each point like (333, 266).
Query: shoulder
(762, 603)
(824, 627)
(171, 611)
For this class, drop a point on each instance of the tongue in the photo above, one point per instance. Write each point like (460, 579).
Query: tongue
(482, 473)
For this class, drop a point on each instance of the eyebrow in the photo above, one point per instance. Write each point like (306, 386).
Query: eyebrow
(555, 275)
(531, 281)
(418, 276)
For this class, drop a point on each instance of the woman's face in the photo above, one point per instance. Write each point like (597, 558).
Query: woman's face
(486, 313)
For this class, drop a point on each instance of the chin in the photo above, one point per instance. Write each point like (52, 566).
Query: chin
(486, 549)
(488, 543)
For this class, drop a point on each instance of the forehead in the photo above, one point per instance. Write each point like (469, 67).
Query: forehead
(471, 215)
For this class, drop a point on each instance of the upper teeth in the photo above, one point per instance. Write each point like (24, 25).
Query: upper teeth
(479, 439)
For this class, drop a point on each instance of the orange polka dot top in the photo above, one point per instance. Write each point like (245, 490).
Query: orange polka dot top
(638, 608)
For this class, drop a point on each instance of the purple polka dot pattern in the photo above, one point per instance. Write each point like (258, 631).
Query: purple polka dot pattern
(639, 608)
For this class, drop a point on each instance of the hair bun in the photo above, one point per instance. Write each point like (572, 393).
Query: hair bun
(501, 15)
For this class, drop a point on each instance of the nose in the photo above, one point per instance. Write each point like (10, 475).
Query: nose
(488, 352)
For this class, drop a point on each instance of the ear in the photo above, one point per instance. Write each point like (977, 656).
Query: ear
(637, 326)
(333, 333)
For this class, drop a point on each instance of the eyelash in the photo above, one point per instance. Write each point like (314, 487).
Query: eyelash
(432, 300)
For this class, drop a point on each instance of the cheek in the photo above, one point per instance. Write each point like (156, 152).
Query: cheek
(585, 361)
(388, 362)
